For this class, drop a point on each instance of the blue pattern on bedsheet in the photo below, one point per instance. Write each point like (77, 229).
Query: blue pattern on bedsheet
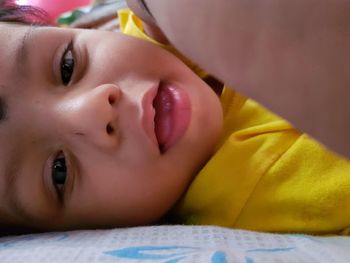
(282, 249)
(174, 254)
(24, 240)
(171, 254)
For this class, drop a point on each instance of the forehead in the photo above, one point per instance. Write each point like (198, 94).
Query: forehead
(18, 45)
(6, 27)
(12, 36)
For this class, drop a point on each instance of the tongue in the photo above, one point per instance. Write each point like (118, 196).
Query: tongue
(163, 104)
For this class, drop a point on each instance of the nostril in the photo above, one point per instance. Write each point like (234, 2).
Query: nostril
(111, 99)
(109, 129)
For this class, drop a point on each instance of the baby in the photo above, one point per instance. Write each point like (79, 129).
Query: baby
(102, 129)
(97, 128)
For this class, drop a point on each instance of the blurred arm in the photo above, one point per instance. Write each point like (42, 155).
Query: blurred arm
(291, 56)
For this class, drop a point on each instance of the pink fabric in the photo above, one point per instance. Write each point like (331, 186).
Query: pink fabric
(55, 7)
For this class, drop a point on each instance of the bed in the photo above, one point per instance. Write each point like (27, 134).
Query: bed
(172, 244)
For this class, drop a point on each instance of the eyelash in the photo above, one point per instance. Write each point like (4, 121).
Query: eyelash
(67, 65)
(59, 168)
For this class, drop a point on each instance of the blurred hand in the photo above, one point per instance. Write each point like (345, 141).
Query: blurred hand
(141, 11)
(150, 26)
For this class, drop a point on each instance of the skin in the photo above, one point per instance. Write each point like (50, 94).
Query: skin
(291, 56)
(117, 178)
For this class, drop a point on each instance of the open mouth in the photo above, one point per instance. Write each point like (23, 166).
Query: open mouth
(172, 114)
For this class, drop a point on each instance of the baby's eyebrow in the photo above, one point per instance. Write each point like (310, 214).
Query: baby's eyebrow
(11, 177)
(22, 50)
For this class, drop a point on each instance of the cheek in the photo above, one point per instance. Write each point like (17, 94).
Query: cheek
(206, 107)
(115, 182)
(124, 54)
(130, 195)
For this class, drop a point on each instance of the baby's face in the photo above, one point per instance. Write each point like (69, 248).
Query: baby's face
(101, 129)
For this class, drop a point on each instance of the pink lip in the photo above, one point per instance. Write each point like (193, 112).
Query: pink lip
(149, 113)
(166, 114)
(172, 114)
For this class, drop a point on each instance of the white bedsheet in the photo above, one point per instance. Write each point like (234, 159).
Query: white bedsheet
(172, 244)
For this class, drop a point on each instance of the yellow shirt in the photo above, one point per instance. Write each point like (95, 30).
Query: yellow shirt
(265, 176)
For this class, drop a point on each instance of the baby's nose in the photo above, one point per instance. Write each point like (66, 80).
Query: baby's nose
(109, 102)
(94, 114)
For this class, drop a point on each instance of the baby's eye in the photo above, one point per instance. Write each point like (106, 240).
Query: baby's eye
(59, 173)
(67, 65)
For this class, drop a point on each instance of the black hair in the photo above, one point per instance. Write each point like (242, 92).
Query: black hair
(11, 12)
